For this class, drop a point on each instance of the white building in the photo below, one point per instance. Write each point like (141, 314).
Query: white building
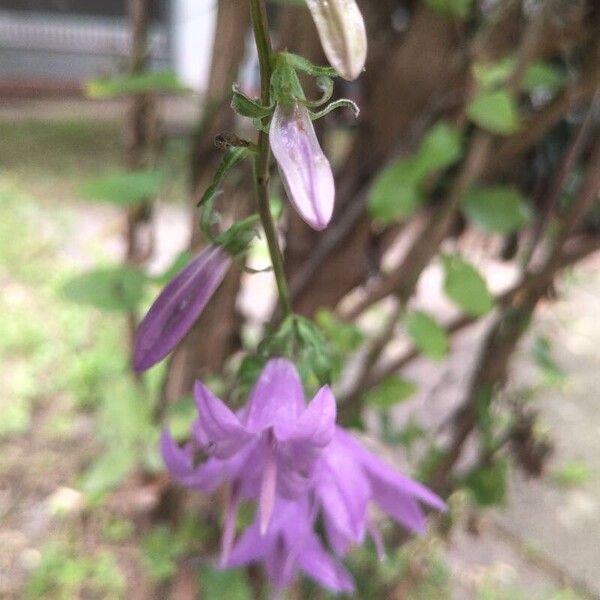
(69, 41)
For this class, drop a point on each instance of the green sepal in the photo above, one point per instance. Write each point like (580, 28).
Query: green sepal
(236, 240)
(299, 63)
(209, 219)
(325, 84)
(343, 103)
(247, 107)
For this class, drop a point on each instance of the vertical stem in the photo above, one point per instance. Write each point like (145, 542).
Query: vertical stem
(262, 158)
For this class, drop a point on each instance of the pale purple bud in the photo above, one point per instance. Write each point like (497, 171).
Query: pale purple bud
(305, 170)
(178, 307)
(343, 36)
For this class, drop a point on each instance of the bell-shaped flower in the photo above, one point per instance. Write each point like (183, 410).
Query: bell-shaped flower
(178, 306)
(305, 170)
(349, 477)
(290, 545)
(268, 448)
(343, 36)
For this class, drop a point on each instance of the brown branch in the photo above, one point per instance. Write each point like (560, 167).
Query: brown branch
(509, 327)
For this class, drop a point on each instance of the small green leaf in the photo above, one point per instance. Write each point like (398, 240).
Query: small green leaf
(490, 75)
(440, 148)
(107, 288)
(488, 484)
(465, 286)
(123, 187)
(497, 209)
(452, 8)
(428, 335)
(390, 391)
(395, 193)
(495, 111)
(151, 81)
(543, 75)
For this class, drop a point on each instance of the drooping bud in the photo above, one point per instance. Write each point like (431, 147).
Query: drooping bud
(305, 170)
(342, 32)
(178, 307)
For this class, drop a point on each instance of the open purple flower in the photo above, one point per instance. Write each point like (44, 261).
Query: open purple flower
(269, 448)
(305, 170)
(290, 545)
(178, 307)
(348, 477)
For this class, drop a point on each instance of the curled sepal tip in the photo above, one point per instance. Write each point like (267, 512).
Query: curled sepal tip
(342, 32)
(305, 170)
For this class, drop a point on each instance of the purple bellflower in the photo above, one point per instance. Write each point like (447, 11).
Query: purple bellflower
(305, 170)
(268, 449)
(348, 477)
(289, 545)
(178, 307)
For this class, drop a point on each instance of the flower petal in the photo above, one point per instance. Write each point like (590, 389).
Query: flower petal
(277, 398)
(179, 463)
(221, 427)
(343, 36)
(343, 492)
(323, 568)
(302, 444)
(178, 307)
(305, 171)
(388, 476)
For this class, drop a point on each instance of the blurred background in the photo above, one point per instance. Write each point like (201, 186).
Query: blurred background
(457, 287)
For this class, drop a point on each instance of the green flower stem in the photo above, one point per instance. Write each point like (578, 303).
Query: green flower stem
(263, 155)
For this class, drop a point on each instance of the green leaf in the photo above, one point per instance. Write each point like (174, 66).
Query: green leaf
(452, 8)
(465, 286)
(395, 193)
(428, 335)
(543, 75)
(488, 484)
(497, 209)
(151, 81)
(108, 470)
(107, 288)
(494, 74)
(440, 148)
(347, 337)
(123, 187)
(230, 584)
(539, 75)
(390, 391)
(495, 111)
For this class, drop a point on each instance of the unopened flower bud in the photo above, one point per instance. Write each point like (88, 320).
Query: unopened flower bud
(305, 170)
(342, 31)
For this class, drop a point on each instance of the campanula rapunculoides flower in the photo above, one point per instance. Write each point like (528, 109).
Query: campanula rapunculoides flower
(290, 545)
(267, 449)
(178, 306)
(305, 170)
(343, 36)
(348, 477)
